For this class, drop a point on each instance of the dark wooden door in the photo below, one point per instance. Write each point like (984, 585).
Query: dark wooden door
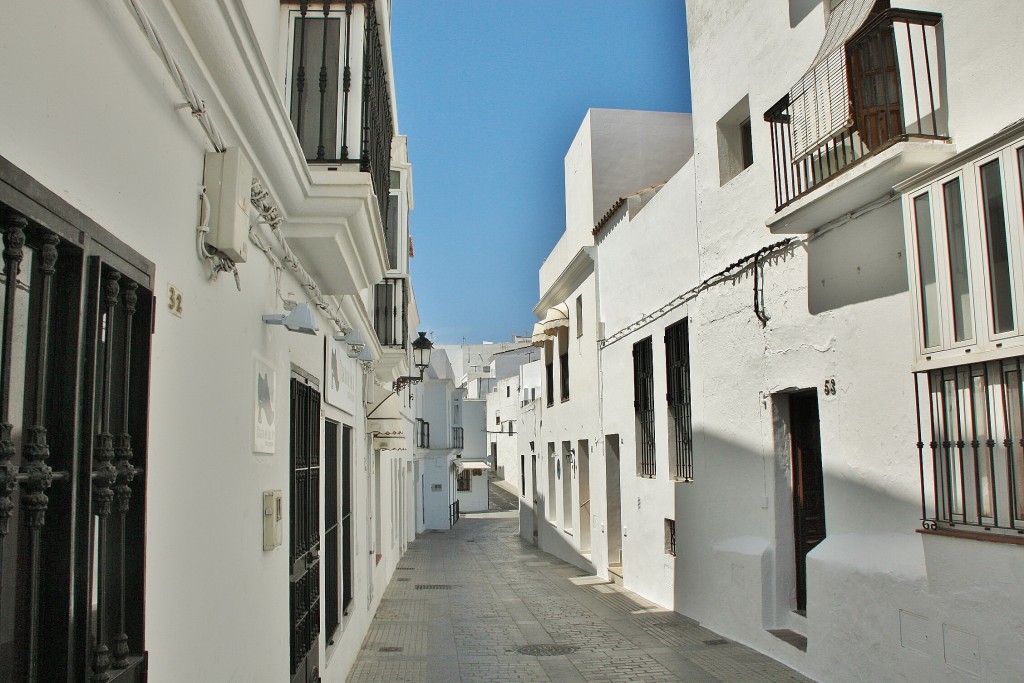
(808, 485)
(875, 87)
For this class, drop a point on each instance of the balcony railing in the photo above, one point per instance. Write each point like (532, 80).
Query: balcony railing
(457, 437)
(323, 108)
(391, 311)
(894, 95)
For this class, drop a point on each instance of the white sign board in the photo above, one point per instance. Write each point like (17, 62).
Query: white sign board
(264, 402)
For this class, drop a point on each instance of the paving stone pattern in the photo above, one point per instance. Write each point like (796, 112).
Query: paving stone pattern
(506, 595)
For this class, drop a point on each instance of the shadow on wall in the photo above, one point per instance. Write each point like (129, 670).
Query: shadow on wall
(799, 9)
(857, 262)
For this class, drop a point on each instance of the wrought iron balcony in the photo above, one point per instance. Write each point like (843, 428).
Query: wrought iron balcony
(331, 113)
(894, 95)
(391, 311)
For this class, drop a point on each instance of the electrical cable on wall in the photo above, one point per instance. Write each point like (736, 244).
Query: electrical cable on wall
(219, 263)
(260, 197)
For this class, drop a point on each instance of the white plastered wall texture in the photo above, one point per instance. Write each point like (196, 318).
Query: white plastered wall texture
(97, 124)
(839, 310)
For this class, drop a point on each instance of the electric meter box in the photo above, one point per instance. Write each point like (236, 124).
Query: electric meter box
(228, 181)
(273, 519)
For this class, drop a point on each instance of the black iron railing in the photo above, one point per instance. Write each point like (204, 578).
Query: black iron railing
(971, 446)
(894, 96)
(670, 537)
(391, 311)
(549, 384)
(457, 437)
(321, 91)
(453, 514)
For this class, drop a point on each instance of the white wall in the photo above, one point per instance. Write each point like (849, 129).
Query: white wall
(98, 123)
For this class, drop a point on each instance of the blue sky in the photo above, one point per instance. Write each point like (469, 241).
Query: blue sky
(490, 95)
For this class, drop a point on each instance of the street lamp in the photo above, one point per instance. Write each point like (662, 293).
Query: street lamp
(420, 358)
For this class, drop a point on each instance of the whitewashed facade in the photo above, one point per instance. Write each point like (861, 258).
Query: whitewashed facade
(103, 158)
(834, 273)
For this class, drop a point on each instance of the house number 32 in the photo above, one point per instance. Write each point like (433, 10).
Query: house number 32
(830, 387)
(174, 299)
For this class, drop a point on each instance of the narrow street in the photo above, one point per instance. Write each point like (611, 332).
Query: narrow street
(478, 604)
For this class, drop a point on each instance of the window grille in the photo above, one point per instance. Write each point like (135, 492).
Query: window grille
(643, 405)
(677, 360)
(304, 524)
(670, 537)
(391, 311)
(75, 328)
(563, 369)
(971, 446)
(422, 433)
(549, 376)
(457, 437)
(463, 481)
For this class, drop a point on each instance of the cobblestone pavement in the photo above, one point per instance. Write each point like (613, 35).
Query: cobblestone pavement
(501, 494)
(467, 604)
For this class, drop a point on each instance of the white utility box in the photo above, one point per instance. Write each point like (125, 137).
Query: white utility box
(228, 180)
(273, 519)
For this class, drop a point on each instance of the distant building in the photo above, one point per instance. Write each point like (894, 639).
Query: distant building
(803, 387)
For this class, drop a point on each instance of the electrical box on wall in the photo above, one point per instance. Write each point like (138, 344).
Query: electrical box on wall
(228, 181)
(273, 519)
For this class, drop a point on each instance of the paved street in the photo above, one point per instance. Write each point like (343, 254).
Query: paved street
(478, 604)
(501, 494)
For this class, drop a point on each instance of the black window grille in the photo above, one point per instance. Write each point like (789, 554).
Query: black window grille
(643, 405)
(670, 537)
(321, 101)
(391, 311)
(457, 437)
(75, 327)
(332, 528)
(677, 360)
(549, 377)
(463, 481)
(304, 522)
(563, 369)
(422, 433)
(347, 537)
(971, 446)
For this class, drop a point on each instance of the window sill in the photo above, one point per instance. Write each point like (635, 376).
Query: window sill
(565, 400)
(567, 532)
(682, 480)
(974, 535)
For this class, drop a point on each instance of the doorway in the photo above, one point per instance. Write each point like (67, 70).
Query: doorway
(533, 480)
(808, 485)
(583, 456)
(614, 499)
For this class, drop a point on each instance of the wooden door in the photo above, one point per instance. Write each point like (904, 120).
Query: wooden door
(875, 87)
(808, 485)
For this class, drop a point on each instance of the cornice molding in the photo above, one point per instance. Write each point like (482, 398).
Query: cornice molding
(571, 277)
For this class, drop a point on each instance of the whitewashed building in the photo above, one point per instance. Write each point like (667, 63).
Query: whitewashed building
(811, 401)
(206, 291)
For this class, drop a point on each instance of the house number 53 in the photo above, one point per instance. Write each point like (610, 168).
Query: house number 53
(174, 299)
(830, 387)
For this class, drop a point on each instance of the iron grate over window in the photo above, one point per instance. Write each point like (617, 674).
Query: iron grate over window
(643, 405)
(563, 369)
(677, 360)
(971, 446)
(304, 523)
(75, 326)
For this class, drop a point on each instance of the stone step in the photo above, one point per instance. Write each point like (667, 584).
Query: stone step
(615, 573)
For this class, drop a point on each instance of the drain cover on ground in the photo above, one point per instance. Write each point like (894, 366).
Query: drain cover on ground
(401, 579)
(404, 569)
(546, 650)
(432, 586)
(389, 648)
(716, 641)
